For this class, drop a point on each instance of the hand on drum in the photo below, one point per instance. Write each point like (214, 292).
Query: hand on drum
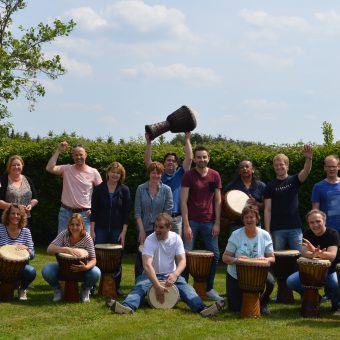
(160, 291)
(21, 247)
(252, 201)
(172, 278)
(73, 251)
(78, 267)
(316, 251)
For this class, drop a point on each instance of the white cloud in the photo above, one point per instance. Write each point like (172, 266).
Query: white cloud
(330, 22)
(173, 71)
(87, 18)
(147, 18)
(269, 60)
(52, 86)
(76, 68)
(263, 19)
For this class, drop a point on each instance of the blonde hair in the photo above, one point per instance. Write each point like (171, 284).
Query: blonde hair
(10, 161)
(78, 218)
(283, 157)
(121, 170)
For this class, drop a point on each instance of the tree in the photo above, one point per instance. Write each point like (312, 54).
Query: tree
(22, 59)
(327, 131)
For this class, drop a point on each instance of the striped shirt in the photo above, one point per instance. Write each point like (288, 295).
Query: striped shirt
(24, 238)
(63, 240)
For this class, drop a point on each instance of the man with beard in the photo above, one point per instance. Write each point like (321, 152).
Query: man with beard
(79, 179)
(201, 209)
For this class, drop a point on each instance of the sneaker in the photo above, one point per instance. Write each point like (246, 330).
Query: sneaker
(265, 310)
(213, 309)
(58, 295)
(213, 295)
(118, 308)
(22, 294)
(109, 302)
(85, 295)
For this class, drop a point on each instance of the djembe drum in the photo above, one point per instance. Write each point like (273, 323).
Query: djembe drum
(109, 259)
(181, 120)
(313, 273)
(285, 265)
(71, 278)
(170, 298)
(252, 275)
(199, 264)
(12, 263)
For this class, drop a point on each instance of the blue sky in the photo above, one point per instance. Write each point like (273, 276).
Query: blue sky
(263, 71)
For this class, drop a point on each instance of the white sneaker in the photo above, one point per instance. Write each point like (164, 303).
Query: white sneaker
(213, 309)
(85, 295)
(213, 295)
(22, 294)
(58, 295)
(118, 308)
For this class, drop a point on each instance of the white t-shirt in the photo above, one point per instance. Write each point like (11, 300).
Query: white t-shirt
(163, 252)
(241, 245)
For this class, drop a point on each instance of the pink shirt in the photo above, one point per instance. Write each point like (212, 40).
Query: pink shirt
(78, 185)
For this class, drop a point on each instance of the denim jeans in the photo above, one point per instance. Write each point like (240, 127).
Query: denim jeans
(211, 244)
(234, 293)
(110, 236)
(176, 225)
(50, 273)
(28, 275)
(64, 216)
(186, 292)
(287, 239)
(294, 283)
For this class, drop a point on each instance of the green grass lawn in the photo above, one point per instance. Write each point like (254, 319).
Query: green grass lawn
(40, 318)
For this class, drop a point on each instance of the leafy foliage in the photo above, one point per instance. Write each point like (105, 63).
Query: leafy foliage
(22, 58)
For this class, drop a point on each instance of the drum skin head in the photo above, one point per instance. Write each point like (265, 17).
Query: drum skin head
(83, 253)
(9, 252)
(109, 246)
(171, 298)
(286, 253)
(201, 252)
(315, 261)
(253, 262)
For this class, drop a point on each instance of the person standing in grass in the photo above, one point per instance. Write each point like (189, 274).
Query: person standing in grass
(79, 179)
(172, 176)
(161, 248)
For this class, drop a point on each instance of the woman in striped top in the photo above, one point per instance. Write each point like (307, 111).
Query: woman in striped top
(66, 242)
(13, 231)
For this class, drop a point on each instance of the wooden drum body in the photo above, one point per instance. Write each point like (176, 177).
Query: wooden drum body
(285, 265)
(199, 264)
(12, 263)
(252, 275)
(109, 259)
(171, 297)
(313, 273)
(71, 278)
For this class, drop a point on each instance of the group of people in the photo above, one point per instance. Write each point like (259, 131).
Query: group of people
(172, 208)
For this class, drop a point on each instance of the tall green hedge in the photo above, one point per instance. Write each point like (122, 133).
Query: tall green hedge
(225, 156)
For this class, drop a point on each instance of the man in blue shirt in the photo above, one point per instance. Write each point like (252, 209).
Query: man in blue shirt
(172, 176)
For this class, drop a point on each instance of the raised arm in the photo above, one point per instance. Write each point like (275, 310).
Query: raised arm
(188, 155)
(148, 150)
(308, 153)
(52, 166)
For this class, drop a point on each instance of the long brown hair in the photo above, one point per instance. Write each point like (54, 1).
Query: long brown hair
(79, 219)
(7, 212)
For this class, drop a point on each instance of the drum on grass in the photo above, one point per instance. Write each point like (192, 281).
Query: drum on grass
(170, 298)
(12, 263)
(252, 275)
(71, 278)
(199, 264)
(285, 265)
(109, 259)
(313, 273)
(233, 203)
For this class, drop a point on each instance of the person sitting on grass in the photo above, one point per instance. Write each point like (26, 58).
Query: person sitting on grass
(161, 248)
(75, 236)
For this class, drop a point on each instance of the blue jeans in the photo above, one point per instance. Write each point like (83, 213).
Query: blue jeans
(110, 236)
(186, 292)
(211, 244)
(50, 273)
(28, 275)
(287, 239)
(176, 225)
(64, 216)
(294, 283)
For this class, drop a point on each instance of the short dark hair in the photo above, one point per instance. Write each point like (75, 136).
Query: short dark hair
(200, 148)
(170, 154)
(316, 211)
